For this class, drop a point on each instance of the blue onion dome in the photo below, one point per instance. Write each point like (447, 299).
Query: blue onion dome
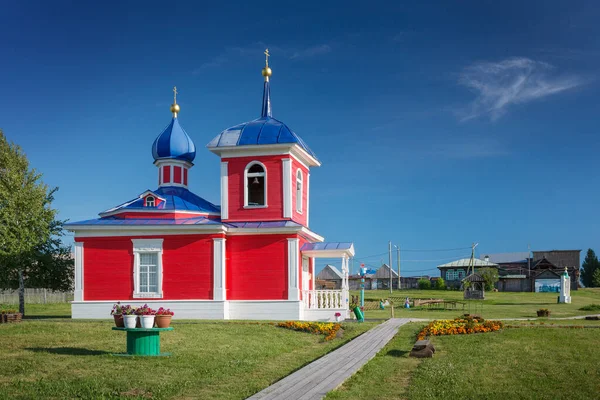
(174, 142)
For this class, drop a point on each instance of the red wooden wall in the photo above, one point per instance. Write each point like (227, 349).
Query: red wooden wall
(187, 267)
(299, 217)
(274, 209)
(257, 267)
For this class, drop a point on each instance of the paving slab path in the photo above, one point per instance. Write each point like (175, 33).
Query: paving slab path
(318, 378)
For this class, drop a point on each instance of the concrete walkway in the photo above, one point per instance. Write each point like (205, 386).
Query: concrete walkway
(328, 372)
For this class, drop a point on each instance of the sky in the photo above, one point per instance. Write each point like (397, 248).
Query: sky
(437, 125)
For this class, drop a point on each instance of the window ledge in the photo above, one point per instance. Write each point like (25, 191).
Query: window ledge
(147, 296)
(246, 207)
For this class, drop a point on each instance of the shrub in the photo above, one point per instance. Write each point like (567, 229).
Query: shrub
(424, 284)
(440, 284)
(490, 275)
(591, 307)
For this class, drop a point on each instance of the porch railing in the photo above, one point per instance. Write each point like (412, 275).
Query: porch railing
(323, 299)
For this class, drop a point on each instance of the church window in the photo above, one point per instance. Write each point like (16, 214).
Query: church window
(147, 268)
(299, 191)
(255, 185)
(150, 201)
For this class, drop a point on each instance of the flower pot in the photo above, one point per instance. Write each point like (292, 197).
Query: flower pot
(119, 321)
(163, 321)
(147, 321)
(129, 321)
(543, 313)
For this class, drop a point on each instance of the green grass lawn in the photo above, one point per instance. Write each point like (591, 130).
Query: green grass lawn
(61, 358)
(521, 363)
(496, 305)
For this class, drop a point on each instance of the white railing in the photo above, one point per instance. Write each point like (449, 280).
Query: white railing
(324, 299)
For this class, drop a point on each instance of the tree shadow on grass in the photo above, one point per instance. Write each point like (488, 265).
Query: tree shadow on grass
(47, 317)
(397, 353)
(71, 351)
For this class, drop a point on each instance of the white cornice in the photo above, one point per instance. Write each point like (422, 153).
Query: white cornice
(267, 150)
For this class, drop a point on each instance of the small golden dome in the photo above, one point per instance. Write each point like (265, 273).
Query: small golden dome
(266, 72)
(175, 108)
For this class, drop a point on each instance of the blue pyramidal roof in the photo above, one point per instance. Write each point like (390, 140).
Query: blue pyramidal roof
(262, 131)
(174, 143)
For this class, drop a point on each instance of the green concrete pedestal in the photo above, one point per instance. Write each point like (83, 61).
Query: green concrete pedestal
(143, 341)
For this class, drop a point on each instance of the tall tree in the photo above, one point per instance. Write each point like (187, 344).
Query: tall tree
(589, 266)
(27, 219)
(490, 275)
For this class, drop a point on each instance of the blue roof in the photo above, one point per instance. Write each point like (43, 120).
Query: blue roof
(176, 199)
(327, 246)
(174, 143)
(262, 131)
(108, 221)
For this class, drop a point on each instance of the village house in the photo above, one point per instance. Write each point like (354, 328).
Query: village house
(251, 257)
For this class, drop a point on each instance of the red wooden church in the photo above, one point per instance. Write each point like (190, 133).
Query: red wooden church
(253, 257)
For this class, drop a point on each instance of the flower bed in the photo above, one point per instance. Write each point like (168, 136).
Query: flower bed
(459, 326)
(328, 329)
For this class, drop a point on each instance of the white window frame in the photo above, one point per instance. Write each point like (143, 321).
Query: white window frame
(252, 175)
(299, 180)
(150, 198)
(147, 246)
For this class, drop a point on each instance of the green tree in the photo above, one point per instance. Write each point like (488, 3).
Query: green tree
(424, 284)
(490, 275)
(596, 278)
(440, 284)
(588, 268)
(27, 221)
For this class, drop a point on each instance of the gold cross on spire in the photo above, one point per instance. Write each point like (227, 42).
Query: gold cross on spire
(175, 107)
(174, 94)
(267, 57)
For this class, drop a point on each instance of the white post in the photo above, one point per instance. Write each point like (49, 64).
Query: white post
(78, 296)
(287, 187)
(225, 191)
(293, 256)
(219, 269)
(314, 265)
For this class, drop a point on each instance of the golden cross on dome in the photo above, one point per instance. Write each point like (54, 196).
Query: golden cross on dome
(174, 94)
(267, 57)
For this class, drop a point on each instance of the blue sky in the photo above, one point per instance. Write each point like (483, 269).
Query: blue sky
(437, 125)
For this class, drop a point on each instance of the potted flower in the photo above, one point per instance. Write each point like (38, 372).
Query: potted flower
(129, 317)
(146, 315)
(117, 313)
(163, 317)
(337, 316)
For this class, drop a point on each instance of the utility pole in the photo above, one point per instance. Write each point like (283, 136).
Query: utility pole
(398, 262)
(390, 257)
(531, 284)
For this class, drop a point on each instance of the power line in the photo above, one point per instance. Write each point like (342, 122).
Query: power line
(432, 250)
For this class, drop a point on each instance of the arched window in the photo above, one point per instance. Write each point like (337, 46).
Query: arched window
(256, 187)
(150, 201)
(299, 191)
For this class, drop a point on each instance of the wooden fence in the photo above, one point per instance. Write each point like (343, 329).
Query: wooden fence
(35, 296)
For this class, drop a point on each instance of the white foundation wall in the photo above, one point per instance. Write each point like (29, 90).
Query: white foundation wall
(327, 315)
(204, 309)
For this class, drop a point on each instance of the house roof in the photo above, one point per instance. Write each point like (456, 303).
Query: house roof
(109, 221)
(384, 272)
(333, 269)
(465, 262)
(515, 257)
(176, 199)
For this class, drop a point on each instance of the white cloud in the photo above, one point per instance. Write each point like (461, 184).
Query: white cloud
(510, 82)
(312, 51)
(256, 50)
